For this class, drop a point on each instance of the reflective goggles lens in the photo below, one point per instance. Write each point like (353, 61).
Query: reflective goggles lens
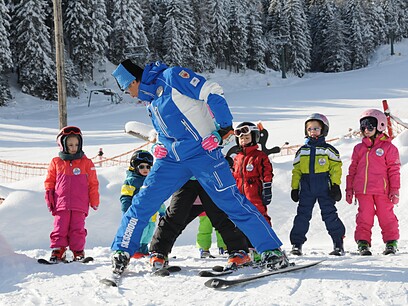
(141, 167)
(244, 130)
(366, 124)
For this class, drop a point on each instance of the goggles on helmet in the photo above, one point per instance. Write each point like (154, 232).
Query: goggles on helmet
(70, 130)
(144, 156)
(245, 130)
(366, 124)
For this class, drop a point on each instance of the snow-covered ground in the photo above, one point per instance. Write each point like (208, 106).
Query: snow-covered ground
(27, 133)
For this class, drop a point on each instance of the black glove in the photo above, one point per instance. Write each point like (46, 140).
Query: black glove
(294, 194)
(335, 192)
(227, 134)
(267, 193)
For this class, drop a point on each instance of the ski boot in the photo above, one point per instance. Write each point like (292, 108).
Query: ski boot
(120, 261)
(296, 250)
(238, 259)
(58, 255)
(78, 255)
(255, 256)
(221, 251)
(274, 259)
(338, 249)
(390, 247)
(364, 248)
(158, 260)
(205, 253)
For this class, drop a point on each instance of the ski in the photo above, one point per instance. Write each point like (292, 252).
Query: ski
(207, 273)
(166, 271)
(47, 262)
(224, 283)
(112, 280)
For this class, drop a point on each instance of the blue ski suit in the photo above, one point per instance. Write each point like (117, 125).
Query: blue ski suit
(185, 108)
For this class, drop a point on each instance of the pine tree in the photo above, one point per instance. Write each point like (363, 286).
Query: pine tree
(218, 31)
(6, 61)
(299, 43)
(172, 42)
(33, 54)
(237, 51)
(101, 29)
(128, 38)
(256, 44)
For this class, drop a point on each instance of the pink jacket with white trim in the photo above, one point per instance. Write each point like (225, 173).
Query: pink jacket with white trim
(375, 167)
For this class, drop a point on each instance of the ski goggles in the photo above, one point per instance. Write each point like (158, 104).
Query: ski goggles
(366, 124)
(315, 129)
(141, 167)
(68, 130)
(245, 130)
(144, 156)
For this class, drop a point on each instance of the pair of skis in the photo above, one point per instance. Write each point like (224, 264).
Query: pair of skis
(47, 262)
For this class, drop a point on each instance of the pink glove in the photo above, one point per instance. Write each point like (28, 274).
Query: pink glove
(49, 199)
(349, 197)
(211, 142)
(394, 196)
(159, 151)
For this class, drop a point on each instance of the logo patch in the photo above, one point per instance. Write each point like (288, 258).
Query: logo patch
(184, 74)
(159, 91)
(76, 171)
(379, 152)
(322, 161)
(249, 167)
(194, 81)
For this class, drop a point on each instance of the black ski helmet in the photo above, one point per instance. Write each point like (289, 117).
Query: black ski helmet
(64, 133)
(323, 121)
(141, 156)
(255, 134)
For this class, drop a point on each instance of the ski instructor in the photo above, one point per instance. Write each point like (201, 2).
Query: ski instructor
(192, 118)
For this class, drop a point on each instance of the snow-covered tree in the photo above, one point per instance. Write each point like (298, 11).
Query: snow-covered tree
(33, 54)
(101, 29)
(6, 61)
(256, 43)
(299, 43)
(128, 38)
(172, 36)
(219, 31)
(238, 32)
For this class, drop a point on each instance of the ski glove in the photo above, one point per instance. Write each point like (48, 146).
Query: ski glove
(349, 196)
(94, 207)
(227, 135)
(49, 199)
(267, 193)
(159, 151)
(295, 195)
(394, 196)
(211, 141)
(335, 192)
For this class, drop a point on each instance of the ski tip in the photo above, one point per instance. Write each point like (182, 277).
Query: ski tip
(218, 268)
(214, 283)
(205, 273)
(108, 282)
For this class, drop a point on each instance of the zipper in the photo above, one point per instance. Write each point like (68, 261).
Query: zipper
(190, 129)
(366, 173)
(163, 127)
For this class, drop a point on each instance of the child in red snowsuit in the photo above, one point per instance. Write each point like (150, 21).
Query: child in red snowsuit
(252, 168)
(71, 187)
(374, 179)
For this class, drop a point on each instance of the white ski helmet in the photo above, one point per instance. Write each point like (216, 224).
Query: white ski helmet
(322, 119)
(378, 115)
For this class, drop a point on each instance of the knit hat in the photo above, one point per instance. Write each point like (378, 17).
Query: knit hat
(126, 73)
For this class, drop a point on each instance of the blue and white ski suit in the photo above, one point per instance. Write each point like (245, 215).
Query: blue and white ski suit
(185, 108)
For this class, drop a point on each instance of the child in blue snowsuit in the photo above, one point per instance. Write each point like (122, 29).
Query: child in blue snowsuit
(191, 117)
(140, 164)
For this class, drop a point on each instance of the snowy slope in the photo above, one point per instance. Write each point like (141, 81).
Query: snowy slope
(27, 133)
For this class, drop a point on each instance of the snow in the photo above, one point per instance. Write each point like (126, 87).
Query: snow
(27, 133)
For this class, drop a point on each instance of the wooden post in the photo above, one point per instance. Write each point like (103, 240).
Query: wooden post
(59, 61)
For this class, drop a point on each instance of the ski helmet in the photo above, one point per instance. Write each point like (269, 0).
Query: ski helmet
(63, 135)
(321, 118)
(141, 156)
(380, 119)
(245, 128)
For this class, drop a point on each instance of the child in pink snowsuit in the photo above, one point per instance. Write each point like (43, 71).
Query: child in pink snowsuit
(71, 186)
(374, 179)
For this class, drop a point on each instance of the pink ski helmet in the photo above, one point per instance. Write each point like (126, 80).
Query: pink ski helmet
(378, 116)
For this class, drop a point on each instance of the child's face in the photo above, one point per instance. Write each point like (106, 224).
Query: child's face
(245, 139)
(367, 133)
(72, 144)
(144, 169)
(313, 128)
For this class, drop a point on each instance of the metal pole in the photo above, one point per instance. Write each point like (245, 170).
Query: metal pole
(283, 61)
(392, 43)
(59, 60)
